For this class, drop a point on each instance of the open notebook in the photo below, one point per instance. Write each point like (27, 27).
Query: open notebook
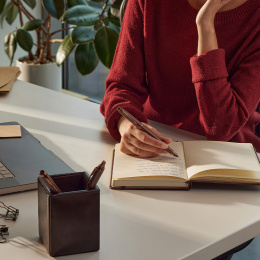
(198, 161)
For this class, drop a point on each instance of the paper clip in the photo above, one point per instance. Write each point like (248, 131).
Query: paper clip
(11, 212)
(3, 232)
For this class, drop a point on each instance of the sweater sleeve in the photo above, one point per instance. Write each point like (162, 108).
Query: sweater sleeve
(226, 101)
(126, 83)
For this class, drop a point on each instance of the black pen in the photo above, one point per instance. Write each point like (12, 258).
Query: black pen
(142, 127)
(95, 175)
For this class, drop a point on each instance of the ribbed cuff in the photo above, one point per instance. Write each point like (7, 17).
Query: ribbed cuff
(115, 116)
(209, 66)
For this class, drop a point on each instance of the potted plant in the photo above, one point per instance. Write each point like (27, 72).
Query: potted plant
(92, 27)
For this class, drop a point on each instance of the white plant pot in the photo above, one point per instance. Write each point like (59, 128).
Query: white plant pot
(45, 75)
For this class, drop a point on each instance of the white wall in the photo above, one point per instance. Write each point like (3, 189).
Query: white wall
(4, 60)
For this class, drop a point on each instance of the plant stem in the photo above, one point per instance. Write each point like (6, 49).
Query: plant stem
(20, 12)
(104, 8)
(19, 4)
(23, 9)
(56, 40)
(41, 56)
(27, 12)
(63, 29)
(31, 57)
(39, 42)
(29, 16)
(48, 37)
(46, 21)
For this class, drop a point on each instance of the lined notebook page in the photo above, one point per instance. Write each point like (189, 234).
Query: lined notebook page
(126, 166)
(207, 155)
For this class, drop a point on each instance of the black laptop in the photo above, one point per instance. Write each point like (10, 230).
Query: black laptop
(21, 159)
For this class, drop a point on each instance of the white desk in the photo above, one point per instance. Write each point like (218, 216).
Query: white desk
(197, 224)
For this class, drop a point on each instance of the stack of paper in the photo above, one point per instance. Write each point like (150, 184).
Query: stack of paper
(10, 131)
(7, 77)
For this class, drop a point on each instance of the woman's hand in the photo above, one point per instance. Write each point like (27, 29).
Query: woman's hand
(137, 142)
(207, 39)
(208, 11)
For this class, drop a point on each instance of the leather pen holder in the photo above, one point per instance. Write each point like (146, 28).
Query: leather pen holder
(69, 221)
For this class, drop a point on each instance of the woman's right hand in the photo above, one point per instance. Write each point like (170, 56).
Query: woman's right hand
(136, 142)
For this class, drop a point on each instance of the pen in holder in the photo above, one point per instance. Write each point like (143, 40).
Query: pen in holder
(69, 213)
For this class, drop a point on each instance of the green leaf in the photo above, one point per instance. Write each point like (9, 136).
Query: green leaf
(81, 15)
(114, 27)
(24, 39)
(1, 20)
(114, 12)
(64, 50)
(33, 24)
(72, 3)
(11, 13)
(30, 3)
(97, 7)
(86, 58)
(82, 34)
(3, 17)
(2, 5)
(10, 45)
(97, 1)
(113, 16)
(117, 4)
(54, 7)
(105, 42)
(105, 21)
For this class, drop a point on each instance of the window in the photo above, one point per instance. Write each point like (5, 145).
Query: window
(92, 85)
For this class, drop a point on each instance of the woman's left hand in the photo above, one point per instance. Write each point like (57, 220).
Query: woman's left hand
(208, 11)
(207, 39)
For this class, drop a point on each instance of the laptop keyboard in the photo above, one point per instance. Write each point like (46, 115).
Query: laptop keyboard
(4, 172)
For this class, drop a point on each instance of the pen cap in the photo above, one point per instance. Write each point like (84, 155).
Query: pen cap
(69, 221)
(95, 175)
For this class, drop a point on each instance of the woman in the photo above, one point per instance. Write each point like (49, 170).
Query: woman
(156, 75)
(192, 64)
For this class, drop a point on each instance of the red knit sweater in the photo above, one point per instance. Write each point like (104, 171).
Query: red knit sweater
(156, 74)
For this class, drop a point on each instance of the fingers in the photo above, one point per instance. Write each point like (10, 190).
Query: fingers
(165, 139)
(137, 142)
(216, 5)
(147, 139)
(135, 151)
(207, 12)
